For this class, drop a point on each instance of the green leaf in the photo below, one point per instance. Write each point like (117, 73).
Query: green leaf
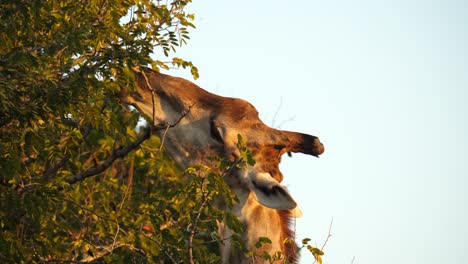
(315, 250)
(261, 241)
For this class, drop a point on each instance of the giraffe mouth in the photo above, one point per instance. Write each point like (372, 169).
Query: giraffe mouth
(318, 148)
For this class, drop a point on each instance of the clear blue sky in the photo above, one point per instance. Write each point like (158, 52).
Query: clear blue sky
(384, 84)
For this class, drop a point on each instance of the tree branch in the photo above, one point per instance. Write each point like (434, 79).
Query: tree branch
(54, 169)
(118, 153)
(101, 252)
(109, 249)
(122, 152)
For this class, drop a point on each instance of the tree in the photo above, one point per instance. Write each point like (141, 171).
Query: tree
(78, 183)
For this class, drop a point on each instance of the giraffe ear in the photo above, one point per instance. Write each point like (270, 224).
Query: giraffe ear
(268, 192)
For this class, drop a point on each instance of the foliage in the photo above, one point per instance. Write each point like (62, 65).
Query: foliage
(119, 217)
(316, 252)
(61, 64)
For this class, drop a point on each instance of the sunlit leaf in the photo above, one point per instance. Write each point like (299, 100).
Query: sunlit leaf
(305, 241)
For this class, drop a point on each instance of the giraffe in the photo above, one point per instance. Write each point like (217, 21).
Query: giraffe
(202, 125)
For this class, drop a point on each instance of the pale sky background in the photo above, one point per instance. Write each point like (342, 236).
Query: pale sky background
(384, 85)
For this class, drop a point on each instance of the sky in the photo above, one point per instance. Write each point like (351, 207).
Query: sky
(384, 85)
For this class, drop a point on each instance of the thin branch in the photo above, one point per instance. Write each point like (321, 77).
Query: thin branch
(153, 94)
(192, 228)
(328, 236)
(285, 121)
(213, 241)
(129, 186)
(273, 121)
(116, 236)
(118, 153)
(167, 126)
(231, 168)
(163, 137)
(106, 250)
(113, 221)
(52, 170)
(326, 240)
(161, 247)
(88, 210)
(161, 126)
(276, 112)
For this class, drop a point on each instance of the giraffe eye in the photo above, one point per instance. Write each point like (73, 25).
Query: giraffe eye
(279, 146)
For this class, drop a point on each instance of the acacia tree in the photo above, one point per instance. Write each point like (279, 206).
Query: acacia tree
(69, 151)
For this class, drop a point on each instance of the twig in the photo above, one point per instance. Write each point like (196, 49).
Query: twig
(273, 121)
(88, 210)
(161, 126)
(328, 236)
(120, 228)
(213, 241)
(326, 240)
(106, 250)
(163, 137)
(166, 127)
(192, 227)
(276, 112)
(285, 121)
(161, 247)
(52, 170)
(129, 186)
(153, 94)
(230, 169)
(130, 183)
(116, 235)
